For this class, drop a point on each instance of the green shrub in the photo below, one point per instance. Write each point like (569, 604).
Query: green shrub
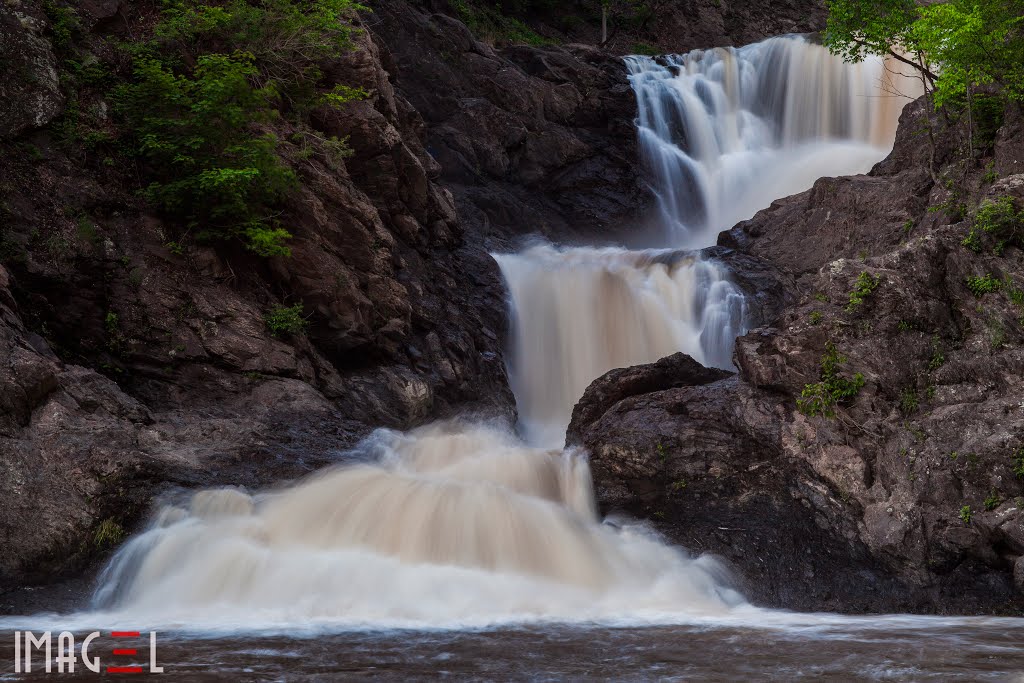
(213, 168)
(64, 25)
(204, 94)
(822, 397)
(1000, 220)
(490, 23)
(980, 285)
(966, 514)
(816, 317)
(991, 174)
(993, 501)
(973, 241)
(285, 320)
(908, 400)
(1017, 462)
(862, 289)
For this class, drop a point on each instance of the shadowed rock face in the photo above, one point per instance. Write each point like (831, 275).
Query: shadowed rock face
(405, 319)
(866, 511)
(530, 140)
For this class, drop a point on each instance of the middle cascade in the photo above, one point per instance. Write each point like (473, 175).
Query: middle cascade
(580, 312)
(723, 133)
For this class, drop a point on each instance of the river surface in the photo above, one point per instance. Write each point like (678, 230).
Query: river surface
(799, 647)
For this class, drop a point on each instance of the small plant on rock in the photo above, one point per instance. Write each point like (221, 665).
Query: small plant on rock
(980, 285)
(938, 358)
(991, 174)
(822, 397)
(108, 534)
(972, 241)
(863, 287)
(993, 501)
(908, 400)
(966, 514)
(285, 320)
(1001, 220)
(1017, 462)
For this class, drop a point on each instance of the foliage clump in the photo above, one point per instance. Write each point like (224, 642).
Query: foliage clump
(957, 46)
(862, 289)
(108, 534)
(908, 400)
(980, 285)
(999, 220)
(489, 22)
(966, 514)
(205, 93)
(285, 320)
(822, 397)
(1017, 462)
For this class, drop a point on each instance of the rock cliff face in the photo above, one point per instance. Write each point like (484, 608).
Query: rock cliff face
(131, 364)
(910, 498)
(530, 140)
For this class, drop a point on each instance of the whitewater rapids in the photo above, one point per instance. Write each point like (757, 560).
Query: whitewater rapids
(453, 524)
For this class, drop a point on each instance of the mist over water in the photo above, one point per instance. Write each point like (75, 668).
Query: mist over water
(458, 524)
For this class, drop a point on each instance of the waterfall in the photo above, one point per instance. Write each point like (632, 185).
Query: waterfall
(455, 523)
(724, 133)
(451, 524)
(727, 131)
(581, 312)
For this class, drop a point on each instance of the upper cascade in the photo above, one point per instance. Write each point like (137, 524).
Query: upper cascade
(727, 131)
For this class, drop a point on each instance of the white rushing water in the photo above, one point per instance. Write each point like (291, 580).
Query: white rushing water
(724, 133)
(454, 524)
(580, 312)
(727, 131)
(458, 524)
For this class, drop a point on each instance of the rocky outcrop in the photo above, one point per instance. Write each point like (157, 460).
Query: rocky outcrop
(911, 497)
(530, 139)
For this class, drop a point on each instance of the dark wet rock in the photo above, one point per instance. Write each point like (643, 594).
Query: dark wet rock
(529, 139)
(672, 371)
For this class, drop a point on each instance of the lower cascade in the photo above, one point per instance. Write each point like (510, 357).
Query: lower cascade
(451, 524)
(466, 523)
